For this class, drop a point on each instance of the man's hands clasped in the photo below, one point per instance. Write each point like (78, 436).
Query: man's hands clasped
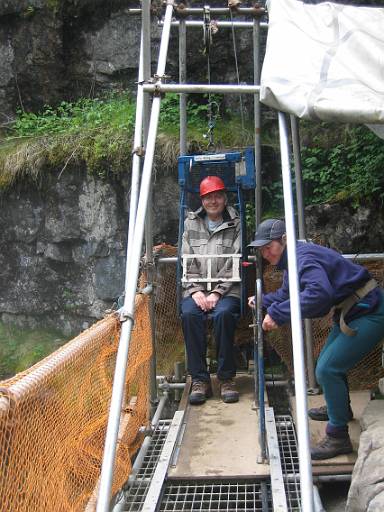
(206, 302)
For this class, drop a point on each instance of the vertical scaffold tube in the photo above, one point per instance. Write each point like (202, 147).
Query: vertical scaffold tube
(302, 234)
(136, 160)
(257, 118)
(306, 486)
(260, 369)
(182, 79)
(132, 275)
(146, 31)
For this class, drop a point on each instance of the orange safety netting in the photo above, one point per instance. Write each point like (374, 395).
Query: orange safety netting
(169, 335)
(53, 419)
(53, 416)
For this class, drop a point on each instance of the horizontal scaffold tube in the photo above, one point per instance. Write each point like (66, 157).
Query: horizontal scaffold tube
(202, 88)
(214, 10)
(355, 257)
(219, 24)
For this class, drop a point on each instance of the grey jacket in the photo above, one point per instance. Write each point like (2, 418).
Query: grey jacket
(224, 240)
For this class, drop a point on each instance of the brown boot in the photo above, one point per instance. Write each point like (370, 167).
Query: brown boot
(321, 413)
(200, 391)
(228, 391)
(330, 447)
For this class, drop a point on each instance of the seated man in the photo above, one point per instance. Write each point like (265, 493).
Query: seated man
(212, 229)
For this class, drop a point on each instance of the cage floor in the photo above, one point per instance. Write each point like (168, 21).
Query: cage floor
(242, 495)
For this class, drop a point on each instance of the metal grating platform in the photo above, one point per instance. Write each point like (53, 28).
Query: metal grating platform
(221, 495)
(216, 496)
(289, 460)
(136, 492)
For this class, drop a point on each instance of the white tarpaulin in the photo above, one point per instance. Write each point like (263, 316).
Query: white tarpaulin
(325, 61)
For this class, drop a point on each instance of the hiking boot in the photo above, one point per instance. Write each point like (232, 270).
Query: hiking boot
(321, 413)
(200, 391)
(330, 447)
(228, 391)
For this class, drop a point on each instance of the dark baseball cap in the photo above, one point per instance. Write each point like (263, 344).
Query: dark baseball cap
(268, 230)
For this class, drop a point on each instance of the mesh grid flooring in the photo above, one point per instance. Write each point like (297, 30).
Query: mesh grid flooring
(289, 458)
(135, 494)
(229, 496)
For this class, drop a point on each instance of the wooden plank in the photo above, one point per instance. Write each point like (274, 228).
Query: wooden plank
(342, 463)
(221, 440)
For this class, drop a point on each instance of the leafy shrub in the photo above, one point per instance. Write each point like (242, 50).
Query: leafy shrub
(351, 169)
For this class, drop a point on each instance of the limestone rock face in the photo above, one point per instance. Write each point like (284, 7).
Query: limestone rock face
(63, 247)
(344, 228)
(367, 488)
(54, 50)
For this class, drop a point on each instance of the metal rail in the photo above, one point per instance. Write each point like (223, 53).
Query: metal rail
(132, 273)
(220, 24)
(154, 491)
(159, 88)
(277, 481)
(312, 384)
(183, 79)
(260, 370)
(214, 10)
(296, 326)
(257, 119)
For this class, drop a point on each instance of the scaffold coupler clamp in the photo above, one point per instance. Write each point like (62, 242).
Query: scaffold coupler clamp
(258, 10)
(157, 81)
(125, 315)
(234, 4)
(139, 151)
(180, 10)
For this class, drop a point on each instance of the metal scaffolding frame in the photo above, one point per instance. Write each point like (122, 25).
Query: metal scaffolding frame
(140, 222)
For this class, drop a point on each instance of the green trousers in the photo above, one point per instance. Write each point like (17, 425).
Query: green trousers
(340, 354)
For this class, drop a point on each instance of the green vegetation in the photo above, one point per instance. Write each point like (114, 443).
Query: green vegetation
(351, 168)
(339, 161)
(21, 348)
(98, 133)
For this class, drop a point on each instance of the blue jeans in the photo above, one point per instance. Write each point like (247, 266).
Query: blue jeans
(340, 354)
(194, 320)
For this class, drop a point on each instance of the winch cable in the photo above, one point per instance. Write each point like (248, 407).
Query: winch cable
(213, 107)
(237, 70)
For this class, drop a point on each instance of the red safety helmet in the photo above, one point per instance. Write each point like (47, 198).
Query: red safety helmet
(211, 184)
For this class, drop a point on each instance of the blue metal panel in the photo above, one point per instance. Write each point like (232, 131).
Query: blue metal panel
(193, 168)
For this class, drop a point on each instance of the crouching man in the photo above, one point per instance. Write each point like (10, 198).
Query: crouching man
(212, 229)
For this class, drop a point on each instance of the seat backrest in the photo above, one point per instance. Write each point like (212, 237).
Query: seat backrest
(236, 169)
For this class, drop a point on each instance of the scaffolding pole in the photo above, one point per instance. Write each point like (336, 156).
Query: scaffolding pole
(146, 31)
(306, 484)
(219, 24)
(132, 274)
(183, 78)
(257, 117)
(312, 385)
(159, 88)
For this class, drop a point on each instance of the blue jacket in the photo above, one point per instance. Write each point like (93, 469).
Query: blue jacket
(325, 279)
